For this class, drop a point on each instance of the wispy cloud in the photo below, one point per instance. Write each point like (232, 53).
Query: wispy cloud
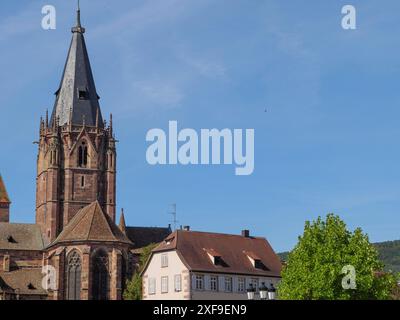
(204, 66)
(162, 94)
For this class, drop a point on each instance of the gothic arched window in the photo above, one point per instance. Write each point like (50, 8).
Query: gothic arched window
(82, 155)
(73, 276)
(100, 276)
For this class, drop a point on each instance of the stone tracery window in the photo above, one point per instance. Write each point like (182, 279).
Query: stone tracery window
(101, 278)
(73, 276)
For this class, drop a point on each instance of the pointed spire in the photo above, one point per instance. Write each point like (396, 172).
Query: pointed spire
(77, 89)
(47, 118)
(3, 192)
(122, 225)
(41, 125)
(111, 125)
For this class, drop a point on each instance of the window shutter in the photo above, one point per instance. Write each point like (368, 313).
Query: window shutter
(193, 282)
(221, 283)
(207, 282)
(234, 284)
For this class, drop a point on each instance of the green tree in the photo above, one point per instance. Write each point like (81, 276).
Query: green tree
(314, 267)
(133, 289)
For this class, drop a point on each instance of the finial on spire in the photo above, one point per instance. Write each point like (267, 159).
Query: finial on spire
(78, 28)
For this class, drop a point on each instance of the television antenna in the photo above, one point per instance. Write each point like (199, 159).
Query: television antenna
(172, 211)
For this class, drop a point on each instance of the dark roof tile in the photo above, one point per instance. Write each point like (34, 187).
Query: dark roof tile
(91, 224)
(18, 236)
(143, 236)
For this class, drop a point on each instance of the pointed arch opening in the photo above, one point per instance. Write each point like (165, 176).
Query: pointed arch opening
(101, 278)
(83, 155)
(73, 276)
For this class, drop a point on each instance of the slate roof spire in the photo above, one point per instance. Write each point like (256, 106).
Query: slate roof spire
(77, 98)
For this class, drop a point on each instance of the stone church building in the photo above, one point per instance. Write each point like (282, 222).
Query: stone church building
(75, 250)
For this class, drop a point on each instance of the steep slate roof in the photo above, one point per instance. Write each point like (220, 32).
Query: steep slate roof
(143, 236)
(77, 76)
(3, 192)
(18, 236)
(27, 281)
(192, 246)
(91, 224)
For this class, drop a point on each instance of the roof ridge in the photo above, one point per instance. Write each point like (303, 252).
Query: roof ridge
(222, 234)
(106, 216)
(91, 222)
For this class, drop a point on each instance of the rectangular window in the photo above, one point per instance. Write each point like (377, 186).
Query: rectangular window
(164, 260)
(178, 283)
(214, 283)
(152, 286)
(199, 282)
(83, 94)
(164, 284)
(228, 284)
(241, 284)
(254, 282)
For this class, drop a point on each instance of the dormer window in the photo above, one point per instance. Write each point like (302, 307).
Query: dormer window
(10, 239)
(214, 256)
(169, 240)
(83, 94)
(255, 260)
(31, 286)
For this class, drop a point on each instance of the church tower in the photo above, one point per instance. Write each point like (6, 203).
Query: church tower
(76, 162)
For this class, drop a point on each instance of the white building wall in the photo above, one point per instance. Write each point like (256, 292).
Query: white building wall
(156, 271)
(188, 284)
(221, 294)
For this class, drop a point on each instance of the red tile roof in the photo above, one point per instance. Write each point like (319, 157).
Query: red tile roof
(212, 252)
(26, 281)
(233, 250)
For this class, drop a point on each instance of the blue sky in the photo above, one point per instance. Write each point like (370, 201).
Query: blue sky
(329, 141)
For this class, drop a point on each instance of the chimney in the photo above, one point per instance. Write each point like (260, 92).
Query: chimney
(186, 228)
(246, 233)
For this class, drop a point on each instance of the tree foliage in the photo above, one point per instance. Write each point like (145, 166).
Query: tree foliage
(314, 267)
(133, 289)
